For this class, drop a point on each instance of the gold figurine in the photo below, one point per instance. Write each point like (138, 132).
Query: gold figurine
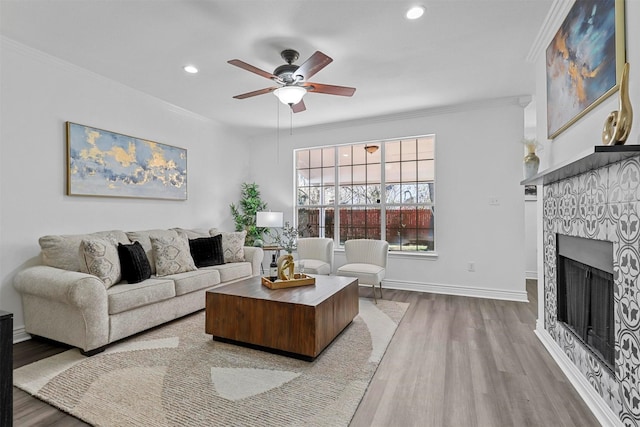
(285, 262)
(618, 125)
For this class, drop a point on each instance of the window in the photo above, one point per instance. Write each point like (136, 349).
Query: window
(384, 193)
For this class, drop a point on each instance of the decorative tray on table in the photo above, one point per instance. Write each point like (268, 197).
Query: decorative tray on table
(298, 280)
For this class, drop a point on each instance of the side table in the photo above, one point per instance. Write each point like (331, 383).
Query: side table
(6, 368)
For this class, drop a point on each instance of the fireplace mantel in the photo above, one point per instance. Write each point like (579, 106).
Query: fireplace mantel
(594, 158)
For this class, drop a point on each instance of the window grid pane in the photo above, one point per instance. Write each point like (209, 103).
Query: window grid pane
(408, 204)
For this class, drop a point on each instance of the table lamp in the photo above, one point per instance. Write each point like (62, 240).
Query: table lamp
(269, 220)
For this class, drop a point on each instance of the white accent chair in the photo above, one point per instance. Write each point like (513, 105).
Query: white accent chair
(316, 254)
(366, 260)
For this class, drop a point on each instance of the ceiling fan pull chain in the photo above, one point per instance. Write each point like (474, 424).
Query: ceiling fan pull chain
(290, 122)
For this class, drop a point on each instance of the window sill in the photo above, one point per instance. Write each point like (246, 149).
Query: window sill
(413, 255)
(432, 256)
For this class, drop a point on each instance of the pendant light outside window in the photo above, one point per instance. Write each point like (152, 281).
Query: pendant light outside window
(371, 148)
(290, 95)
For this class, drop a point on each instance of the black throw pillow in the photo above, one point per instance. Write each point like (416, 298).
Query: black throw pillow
(133, 262)
(207, 251)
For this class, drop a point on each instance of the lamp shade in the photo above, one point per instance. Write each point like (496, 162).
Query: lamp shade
(268, 219)
(290, 95)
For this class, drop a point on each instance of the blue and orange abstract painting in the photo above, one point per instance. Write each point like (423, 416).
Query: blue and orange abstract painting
(581, 63)
(103, 163)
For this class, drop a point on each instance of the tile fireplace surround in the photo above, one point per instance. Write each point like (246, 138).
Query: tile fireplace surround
(597, 196)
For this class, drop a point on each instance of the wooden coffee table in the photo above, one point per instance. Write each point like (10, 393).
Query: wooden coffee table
(300, 321)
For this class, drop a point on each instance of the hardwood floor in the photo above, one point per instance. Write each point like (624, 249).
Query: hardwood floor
(454, 361)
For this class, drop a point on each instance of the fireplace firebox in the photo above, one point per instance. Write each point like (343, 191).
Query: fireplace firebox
(585, 293)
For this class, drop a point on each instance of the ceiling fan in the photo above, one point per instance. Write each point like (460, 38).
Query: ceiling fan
(293, 79)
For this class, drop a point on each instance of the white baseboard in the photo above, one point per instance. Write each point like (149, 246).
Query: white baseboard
(531, 275)
(598, 406)
(464, 291)
(19, 335)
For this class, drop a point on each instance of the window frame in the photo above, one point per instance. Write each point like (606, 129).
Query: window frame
(383, 205)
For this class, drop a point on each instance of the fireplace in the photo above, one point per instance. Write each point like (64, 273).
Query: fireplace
(585, 294)
(595, 196)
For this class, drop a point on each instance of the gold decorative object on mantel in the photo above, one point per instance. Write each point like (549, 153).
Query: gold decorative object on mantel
(618, 125)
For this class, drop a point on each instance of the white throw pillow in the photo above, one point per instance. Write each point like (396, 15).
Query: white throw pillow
(172, 255)
(233, 246)
(99, 256)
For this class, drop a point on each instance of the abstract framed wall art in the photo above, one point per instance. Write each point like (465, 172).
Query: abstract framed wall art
(584, 61)
(109, 164)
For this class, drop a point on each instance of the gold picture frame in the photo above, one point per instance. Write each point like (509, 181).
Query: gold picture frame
(583, 70)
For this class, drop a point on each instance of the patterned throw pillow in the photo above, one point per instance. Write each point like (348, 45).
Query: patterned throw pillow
(233, 246)
(172, 255)
(207, 251)
(134, 262)
(99, 257)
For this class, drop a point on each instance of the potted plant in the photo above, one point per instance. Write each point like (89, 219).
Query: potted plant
(288, 238)
(244, 214)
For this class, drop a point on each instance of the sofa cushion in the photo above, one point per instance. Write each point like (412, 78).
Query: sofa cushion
(99, 257)
(192, 233)
(207, 251)
(144, 237)
(125, 297)
(171, 255)
(63, 251)
(232, 271)
(194, 280)
(233, 245)
(134, 263)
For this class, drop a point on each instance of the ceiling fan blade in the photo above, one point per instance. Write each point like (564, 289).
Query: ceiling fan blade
(311, 66)
(297, 108)
(255, 93)
(329, 89)
(251, 68)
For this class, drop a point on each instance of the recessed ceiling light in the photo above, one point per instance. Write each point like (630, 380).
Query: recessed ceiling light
(190, 69)
(415, 12)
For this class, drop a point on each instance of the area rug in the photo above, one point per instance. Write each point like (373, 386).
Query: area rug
(176, 375)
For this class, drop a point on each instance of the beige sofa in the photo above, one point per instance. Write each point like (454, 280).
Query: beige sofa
(62, 303)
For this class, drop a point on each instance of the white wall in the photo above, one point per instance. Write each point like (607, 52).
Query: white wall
(530, 237)
(478, 157)
(38, 95)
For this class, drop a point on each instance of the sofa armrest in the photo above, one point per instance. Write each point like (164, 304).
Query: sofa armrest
(68, 287)
(65, 306)
(254, 255)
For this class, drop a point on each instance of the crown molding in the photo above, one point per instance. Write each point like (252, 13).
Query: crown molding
(558, 11)
(520, 101)
(38, 55)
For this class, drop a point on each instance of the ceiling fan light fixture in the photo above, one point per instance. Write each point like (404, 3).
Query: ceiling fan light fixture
(415, 12)
(290, 95)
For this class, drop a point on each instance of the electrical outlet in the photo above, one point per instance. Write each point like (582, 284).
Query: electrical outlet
(471, 266)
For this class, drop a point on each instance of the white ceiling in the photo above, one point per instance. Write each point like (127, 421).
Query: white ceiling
(460, 51)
